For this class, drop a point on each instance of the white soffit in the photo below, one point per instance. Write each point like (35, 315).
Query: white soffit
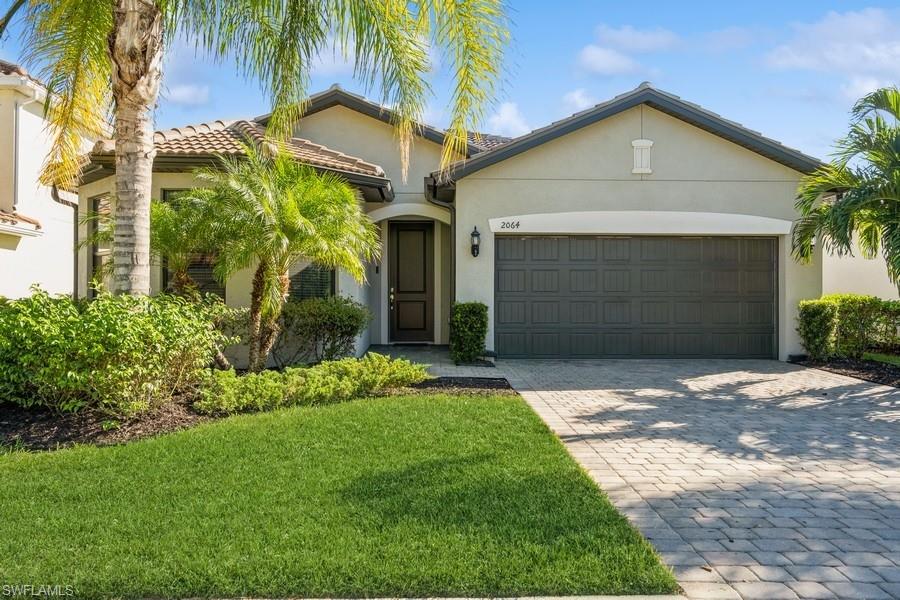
(640, 222)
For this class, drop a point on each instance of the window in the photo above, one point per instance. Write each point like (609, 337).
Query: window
(200, 269)
(101, 251)
(312, 282)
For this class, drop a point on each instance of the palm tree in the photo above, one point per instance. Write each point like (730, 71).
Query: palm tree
(103, 58)
(268, 211)
(858, 194)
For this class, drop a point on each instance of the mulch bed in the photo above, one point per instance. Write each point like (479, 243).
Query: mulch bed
(867, 370)
(41, 429)
(465, 385)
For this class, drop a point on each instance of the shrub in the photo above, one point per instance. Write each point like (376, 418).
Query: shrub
(855, 323)
(468, 330)
(122, 354)
(816, 327)
(319, 329)
(887, 334)
(223, 392)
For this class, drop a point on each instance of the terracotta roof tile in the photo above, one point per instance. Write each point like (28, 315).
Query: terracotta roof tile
(487, 141)
(16, 218)
(226, 138)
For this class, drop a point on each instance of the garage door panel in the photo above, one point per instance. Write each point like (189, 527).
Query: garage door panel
(632, 297)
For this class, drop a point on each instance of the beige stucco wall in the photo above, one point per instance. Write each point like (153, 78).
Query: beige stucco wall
(590, 170)
(47, 259)
(857, 275)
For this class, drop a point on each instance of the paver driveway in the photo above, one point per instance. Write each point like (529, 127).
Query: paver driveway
(753, 479)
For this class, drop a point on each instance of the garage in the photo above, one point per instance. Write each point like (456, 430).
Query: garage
(635, 297)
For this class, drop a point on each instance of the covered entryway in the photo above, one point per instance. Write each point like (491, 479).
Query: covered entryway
(633, 296)
(411, 292)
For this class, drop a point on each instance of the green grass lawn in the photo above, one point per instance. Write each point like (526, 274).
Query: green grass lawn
(890, 359)
(401, 496)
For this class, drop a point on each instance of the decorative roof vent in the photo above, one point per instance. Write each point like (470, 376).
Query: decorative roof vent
(642, 157)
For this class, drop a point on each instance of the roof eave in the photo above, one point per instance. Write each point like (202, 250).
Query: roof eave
(336, 96)
(643, 95)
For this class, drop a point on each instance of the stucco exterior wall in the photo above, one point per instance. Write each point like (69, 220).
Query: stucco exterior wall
(46, 259)
(590, 170)
(857, 275)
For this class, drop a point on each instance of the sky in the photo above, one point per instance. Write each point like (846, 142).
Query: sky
(789, 69)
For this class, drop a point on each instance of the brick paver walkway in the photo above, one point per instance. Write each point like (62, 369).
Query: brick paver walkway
(779, 481)
(753, 479)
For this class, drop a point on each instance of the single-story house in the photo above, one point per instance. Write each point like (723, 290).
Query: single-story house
(645, 226)
(37, 225)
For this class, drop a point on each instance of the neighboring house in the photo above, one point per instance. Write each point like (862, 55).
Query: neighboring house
(37, 227)
(646, 226)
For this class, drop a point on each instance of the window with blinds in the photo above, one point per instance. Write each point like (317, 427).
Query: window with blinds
(312, 282)
(200, 268)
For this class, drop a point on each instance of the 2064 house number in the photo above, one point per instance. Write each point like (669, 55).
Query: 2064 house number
(509, 224)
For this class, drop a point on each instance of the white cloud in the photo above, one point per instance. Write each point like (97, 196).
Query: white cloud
(577, 100)
(863, 47)
(606, 61)
(188, 94)
(629, 39)
(331, 60)
(858, 87)
(508, 120)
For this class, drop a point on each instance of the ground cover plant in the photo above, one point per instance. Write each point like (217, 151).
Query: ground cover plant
(407, 496)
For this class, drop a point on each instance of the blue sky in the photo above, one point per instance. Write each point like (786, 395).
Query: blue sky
(789, 69)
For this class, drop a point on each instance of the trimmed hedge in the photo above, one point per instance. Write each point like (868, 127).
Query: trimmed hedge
(318, 329)
(847, 325)
(468, 330)
(225, 392)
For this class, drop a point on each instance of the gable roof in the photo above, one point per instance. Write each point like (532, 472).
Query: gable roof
(338, 96)
(643, 94)
(193, 145)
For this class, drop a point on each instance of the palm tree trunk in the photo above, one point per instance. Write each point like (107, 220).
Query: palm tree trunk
(136, 51)
(253, 338)
(270, 329)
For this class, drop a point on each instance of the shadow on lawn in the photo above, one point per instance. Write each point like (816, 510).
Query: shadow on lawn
(479, 495)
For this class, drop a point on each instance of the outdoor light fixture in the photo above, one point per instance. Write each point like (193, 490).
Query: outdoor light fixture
(476, 241)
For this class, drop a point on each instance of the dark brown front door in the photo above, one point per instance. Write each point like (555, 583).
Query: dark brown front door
(411, 271)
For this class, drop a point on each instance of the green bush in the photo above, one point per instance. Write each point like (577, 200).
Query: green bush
(319, 329)
(224, 392)
(468, 330)
(816, 325)
(855, 323)
(888, 326)
(122, 354)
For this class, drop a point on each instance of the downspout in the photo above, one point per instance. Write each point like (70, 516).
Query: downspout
(19, 105)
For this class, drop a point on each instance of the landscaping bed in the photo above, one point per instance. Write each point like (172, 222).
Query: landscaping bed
(39, 428)
(868, 370)
(404, 496)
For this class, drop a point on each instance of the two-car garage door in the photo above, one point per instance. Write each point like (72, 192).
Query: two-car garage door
(583, 297)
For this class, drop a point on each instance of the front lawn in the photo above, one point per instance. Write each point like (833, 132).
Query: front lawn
(402, 496)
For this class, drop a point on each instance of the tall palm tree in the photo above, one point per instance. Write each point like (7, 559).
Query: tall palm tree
(268, 211)
(102, 59)
(857, 196)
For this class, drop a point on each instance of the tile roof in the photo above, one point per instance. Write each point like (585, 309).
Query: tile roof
(8, 68)
(227, 138)
(487, 141)
(16, 218)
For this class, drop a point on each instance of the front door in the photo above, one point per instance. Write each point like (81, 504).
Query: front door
(411, 272)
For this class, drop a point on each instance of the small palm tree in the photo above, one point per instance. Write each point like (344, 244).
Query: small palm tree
(858, 194)
(102, 58)
(269, 211)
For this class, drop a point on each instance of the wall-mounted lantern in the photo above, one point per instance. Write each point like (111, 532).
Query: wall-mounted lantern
(476, 241)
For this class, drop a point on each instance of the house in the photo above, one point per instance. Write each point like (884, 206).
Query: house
(37, 225)
(645, 226)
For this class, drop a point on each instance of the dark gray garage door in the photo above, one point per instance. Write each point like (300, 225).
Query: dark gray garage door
(580, 297)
